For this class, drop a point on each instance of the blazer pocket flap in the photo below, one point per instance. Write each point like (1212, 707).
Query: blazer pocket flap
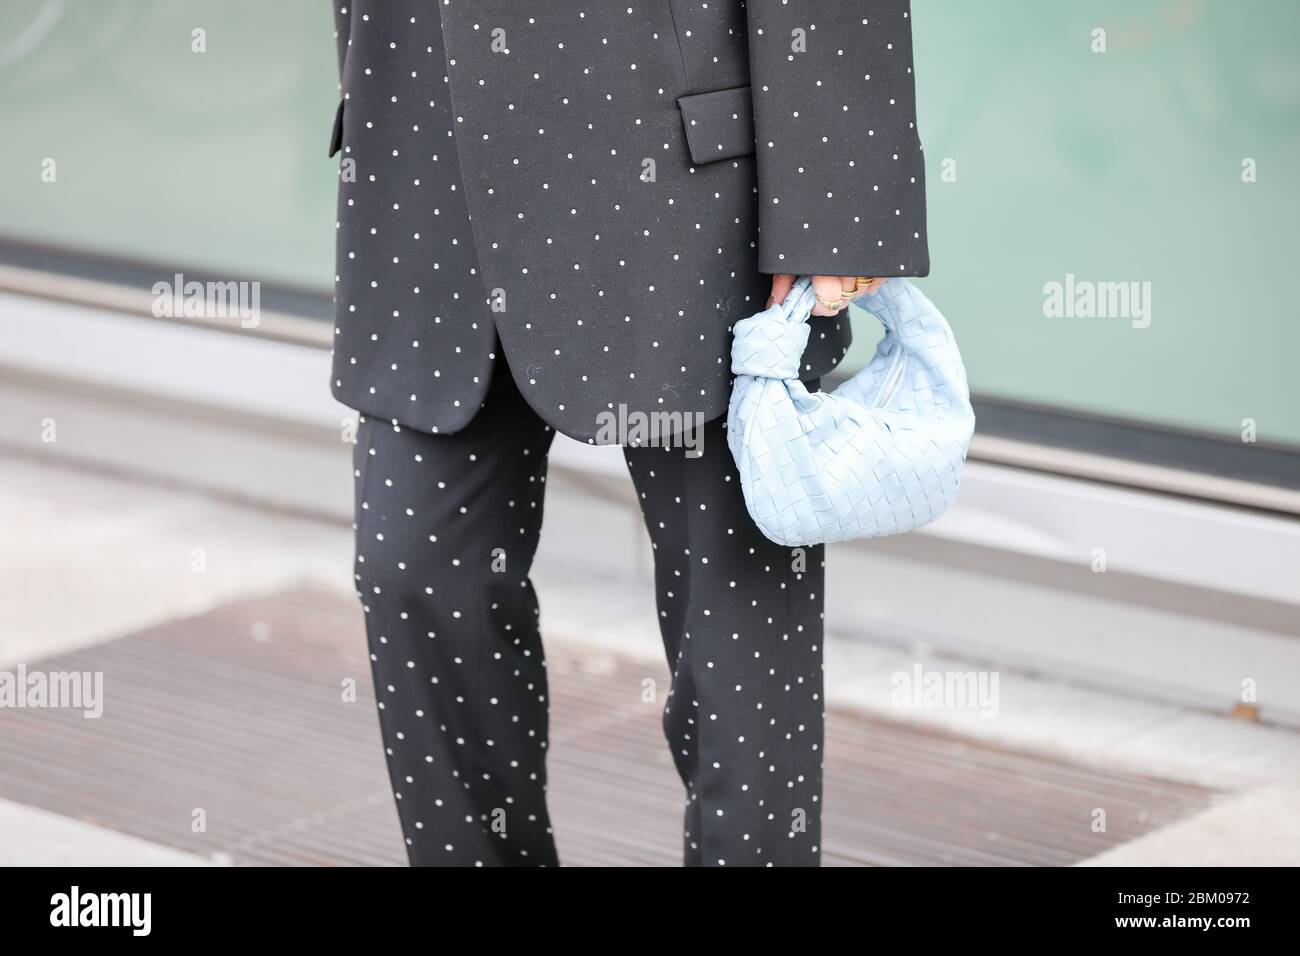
(719, 124)
(336, 137)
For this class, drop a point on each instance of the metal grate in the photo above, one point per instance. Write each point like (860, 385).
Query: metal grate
(239, 714)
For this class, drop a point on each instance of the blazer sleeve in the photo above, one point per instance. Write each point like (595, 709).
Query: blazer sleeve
(342, 32)
(841, 174)
(342, 29)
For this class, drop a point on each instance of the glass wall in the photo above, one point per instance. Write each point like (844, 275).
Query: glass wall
(208, 160)
(1169, 160)
(1113, 196)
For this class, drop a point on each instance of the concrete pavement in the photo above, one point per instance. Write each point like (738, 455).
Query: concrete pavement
(89, 557)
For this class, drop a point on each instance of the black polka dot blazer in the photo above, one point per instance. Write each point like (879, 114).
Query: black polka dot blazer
(604, 185)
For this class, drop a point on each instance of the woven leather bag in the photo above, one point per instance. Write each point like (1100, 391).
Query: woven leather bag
(880, 455)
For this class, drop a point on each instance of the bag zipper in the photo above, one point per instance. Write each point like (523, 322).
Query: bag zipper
(893, 378)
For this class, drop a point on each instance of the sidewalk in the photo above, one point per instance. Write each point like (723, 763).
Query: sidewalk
(128, 577)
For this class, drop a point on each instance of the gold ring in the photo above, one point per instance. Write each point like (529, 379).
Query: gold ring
(860, 281)
(834, 304)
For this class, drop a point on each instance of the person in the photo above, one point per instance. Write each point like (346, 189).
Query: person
(548, 213)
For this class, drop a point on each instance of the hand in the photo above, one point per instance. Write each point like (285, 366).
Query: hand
(829, 288)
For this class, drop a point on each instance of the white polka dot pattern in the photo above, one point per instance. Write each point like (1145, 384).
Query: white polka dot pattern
(447, 526)
(840, 169)
(547, 211)
(607, 254)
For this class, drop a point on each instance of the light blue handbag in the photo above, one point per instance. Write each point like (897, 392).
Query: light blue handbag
(880, 455)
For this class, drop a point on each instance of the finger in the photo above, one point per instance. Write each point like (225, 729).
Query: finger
(827, 288)
(781, 284)
(849, 289)
(875, 284)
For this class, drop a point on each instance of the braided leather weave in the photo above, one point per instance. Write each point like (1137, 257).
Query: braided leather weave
(880, 455)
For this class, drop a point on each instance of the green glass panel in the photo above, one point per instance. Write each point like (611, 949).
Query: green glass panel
(212, 160)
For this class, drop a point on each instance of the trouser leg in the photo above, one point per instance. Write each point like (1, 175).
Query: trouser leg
(741, 620)
(447, 526)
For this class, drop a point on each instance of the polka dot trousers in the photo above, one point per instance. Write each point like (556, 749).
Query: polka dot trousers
(447, 526)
